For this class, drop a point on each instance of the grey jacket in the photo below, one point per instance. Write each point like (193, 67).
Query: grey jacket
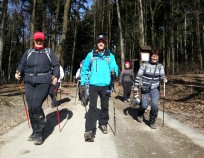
(146, 75)
(127, 75)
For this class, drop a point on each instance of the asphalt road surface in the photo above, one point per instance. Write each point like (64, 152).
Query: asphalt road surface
(131, 140)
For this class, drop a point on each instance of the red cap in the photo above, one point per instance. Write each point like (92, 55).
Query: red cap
(39, 35)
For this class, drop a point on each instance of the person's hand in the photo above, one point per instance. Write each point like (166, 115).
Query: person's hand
(135, 90)
(165, 79)
(82, 88)
(18, 75)
(54, 80)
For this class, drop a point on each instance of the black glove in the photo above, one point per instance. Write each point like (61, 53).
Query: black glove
(113, 75)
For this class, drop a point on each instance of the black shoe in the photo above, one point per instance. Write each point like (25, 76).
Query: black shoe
(103, 128)
(140, 119)
(32, 137)
(89, 136)
(152, 126)
(38, 139)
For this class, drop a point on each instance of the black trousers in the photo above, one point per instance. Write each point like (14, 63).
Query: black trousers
(92, 115)
(126, 89)
(52, 93)
(36, 94)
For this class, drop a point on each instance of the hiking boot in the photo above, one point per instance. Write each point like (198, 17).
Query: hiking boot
(152, 126)
(89, 136)
(140, 119)
(31, 137)
(128, 100)
(103, 129)
(38, 139)
(125, 101)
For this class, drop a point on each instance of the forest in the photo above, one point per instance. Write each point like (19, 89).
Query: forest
(174, 27)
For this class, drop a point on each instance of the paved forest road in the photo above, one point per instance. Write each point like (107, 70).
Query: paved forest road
(132, 139)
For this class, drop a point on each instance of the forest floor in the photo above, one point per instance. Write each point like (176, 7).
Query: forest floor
(184, 101)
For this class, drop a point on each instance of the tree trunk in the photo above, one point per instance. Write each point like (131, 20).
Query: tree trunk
(94, 27)
(73, 53)
(198, 35)
(141, 24)
(2, 25)
(185, 40)
(152, 25)
(121, 35)
(64, 31)
(56, 25)
(164, 47)
(32, 24)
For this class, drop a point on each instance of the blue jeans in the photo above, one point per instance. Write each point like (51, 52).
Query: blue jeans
(154, 98)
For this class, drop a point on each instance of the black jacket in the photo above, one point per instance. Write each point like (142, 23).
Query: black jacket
(36, 67)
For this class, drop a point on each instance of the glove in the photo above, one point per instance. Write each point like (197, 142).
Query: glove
(113, 75)
(135, 90)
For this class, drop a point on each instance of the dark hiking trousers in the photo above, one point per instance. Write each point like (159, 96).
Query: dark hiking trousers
(92, 115)
(126, 89)
(36, 94)
(53, 94)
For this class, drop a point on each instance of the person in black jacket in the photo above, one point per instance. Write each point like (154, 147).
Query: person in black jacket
(40, 68)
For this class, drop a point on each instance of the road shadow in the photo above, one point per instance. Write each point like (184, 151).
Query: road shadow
(119, 98)
(52, 121)
(131, 111)
(64, 100)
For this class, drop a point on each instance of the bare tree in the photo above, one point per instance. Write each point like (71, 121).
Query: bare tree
(3, 13)
(32, 24)
(121, 35)
(64, 30)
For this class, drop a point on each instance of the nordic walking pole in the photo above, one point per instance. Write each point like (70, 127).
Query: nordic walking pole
(60, 91)
(164, 101)
(114, 114)
(25, 108)
(58, 115)
(77, 88)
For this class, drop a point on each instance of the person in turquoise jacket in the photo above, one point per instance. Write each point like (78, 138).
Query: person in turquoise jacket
(99, 64)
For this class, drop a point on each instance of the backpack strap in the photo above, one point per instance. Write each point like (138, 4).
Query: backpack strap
(107, 54)
(30, 51)
(47, 51)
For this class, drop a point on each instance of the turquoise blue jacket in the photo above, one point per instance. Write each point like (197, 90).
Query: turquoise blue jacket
(98, 66)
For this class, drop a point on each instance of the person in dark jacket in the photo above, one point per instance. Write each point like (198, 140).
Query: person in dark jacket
(126, 79)
(150, 75)
(98, 65)
(40, 68)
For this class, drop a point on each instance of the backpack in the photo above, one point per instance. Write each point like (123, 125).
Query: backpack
(47, 51)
